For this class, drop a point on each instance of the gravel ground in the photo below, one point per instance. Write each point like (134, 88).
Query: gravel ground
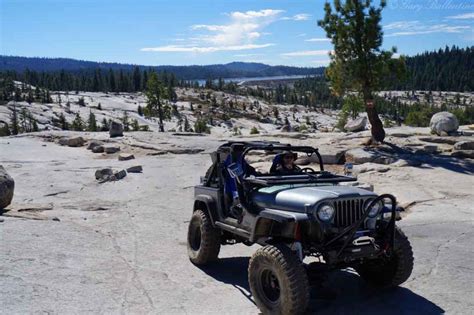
(120, 247)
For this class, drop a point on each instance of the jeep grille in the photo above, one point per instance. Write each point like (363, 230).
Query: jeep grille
(348, 211)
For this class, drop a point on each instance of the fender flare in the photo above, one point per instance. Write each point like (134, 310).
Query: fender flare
(207, 204)
(276, 216)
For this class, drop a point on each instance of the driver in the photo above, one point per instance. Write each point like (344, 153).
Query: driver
(286, 165)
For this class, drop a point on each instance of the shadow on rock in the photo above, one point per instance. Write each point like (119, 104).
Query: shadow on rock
(341, 292)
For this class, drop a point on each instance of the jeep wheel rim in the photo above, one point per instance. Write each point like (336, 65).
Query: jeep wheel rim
(196, 238)
(270, 286)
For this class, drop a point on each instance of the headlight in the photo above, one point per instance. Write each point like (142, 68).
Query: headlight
(325, 212)
(376, 208)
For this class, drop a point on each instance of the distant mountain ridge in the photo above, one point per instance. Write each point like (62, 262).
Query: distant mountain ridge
(192, 72)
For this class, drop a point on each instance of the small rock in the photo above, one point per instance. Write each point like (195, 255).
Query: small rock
(135, 169)
(56, 219)
(98, 149)
(355, 125)
(72, 142)
(93, 144)
(116, 129)
(120, 174)
(463, 154)
(125, 157)
(464, 145)
(103, 173)
(443, 123)
(2, 220)
(7, 187)
(111, 149)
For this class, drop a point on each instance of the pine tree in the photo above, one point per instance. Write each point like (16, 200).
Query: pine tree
(135, 125)
(358, 62)
(78, 123)
(155, 94)
(91, 122)
(125, 121)
(63, 122)
(5, 130)
(14, 126)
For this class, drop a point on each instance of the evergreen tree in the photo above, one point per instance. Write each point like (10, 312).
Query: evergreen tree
(91, 122)
(4, 130)
(358, 61)
(14, 126)
(155, 94)
(125, 121)
(63, 122)
(77, 123)
(135, 125)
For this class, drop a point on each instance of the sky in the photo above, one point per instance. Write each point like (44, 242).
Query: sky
(184, 32)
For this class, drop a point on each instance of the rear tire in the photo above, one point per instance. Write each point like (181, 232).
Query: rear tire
(203, 239)
(393, 271)
(278, 281)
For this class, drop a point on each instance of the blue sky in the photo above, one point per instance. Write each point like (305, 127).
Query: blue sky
(183, 32)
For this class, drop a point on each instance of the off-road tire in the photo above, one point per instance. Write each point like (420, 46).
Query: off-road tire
(283, 264)
(203, 239)
(391, 273)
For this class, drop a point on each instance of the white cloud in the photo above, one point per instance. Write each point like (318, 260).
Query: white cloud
(207, 49)
(317, 39)
(298, 17)
(306, 53)
(407, 28)
(301, 35)
(241, 33)
(465, 16)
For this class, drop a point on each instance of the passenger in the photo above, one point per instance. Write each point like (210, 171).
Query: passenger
(285, 164)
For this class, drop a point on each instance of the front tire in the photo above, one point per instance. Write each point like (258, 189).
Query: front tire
(203, 239)
(392, 271)
(278, 281)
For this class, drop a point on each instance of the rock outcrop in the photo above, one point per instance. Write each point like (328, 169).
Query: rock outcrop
(464, 145)
(111, 149)
(7, 187)
(444, 123)
(357, 124)
(116, 129)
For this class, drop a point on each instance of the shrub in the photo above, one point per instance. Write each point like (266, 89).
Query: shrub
(254, 131)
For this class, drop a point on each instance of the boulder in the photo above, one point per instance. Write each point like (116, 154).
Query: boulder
(360, 156)
(125, 157)
(443, 123)
(111, 149)
(357, 124)
(116, 129)
(135, 169)
(7, 186)
(94, 144)
(72, 142)
(98, 149)
(103, 173)
(464, 145)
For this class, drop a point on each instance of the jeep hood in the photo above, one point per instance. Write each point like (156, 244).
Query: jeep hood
(295, 199)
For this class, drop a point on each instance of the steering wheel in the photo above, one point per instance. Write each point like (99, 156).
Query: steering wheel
(308, 169)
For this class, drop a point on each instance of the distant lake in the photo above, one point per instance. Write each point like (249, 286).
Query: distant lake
(250, 79)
